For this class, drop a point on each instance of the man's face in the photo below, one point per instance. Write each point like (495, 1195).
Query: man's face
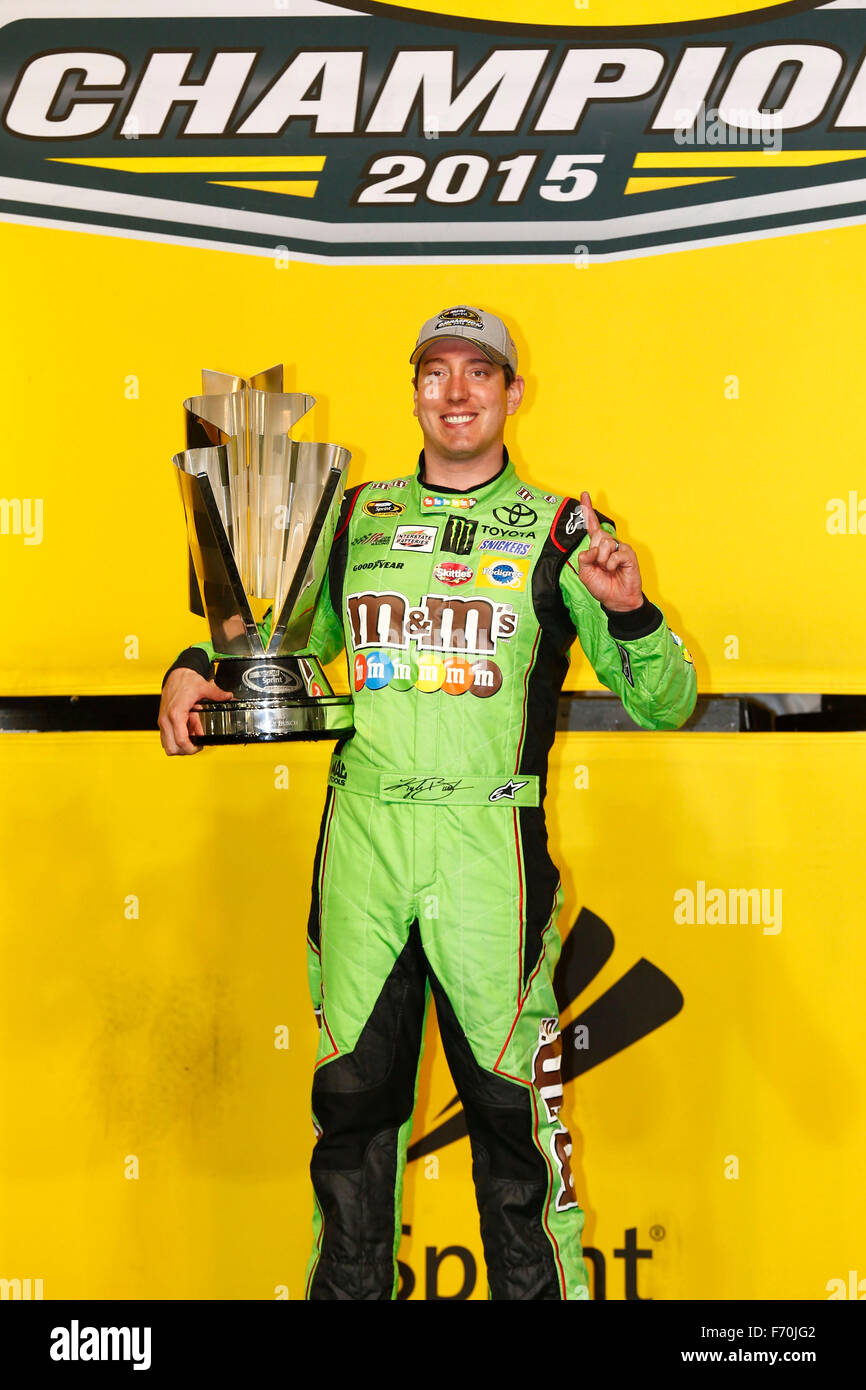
(461, 399)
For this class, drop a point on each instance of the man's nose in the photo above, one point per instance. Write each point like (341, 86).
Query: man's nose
(457, 388)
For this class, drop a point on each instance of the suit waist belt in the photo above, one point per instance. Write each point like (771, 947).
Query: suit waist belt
(435, 788)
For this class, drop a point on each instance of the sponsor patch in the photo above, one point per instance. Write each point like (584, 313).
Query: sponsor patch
(506, 547)
(383, 506)
(371, 538)
(417, 538)
(458, 536)
(525, 494)
(547, 1079)
(687, 656)
(440, 623)
(464, 317)
(464, 503)
(429, 673)
(379, 565)
(503, 572)
(503, 531)
(517, 514)
(452, 572)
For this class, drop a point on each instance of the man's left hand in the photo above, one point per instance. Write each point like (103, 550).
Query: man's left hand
(609, 568)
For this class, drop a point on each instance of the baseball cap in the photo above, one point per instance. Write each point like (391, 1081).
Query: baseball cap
(477, 326)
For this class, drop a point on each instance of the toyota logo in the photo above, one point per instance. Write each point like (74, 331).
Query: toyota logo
(515, 515)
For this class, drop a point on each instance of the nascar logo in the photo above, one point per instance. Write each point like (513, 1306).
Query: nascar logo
(383, 507)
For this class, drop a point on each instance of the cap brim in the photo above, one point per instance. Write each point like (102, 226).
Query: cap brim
(490, 352)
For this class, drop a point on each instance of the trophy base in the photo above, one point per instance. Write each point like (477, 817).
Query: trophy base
(273, 721)
(275, 699)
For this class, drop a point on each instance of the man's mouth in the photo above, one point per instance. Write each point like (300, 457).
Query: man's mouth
(457, 419)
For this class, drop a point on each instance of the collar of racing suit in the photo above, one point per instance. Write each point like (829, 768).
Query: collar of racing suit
(499, 482)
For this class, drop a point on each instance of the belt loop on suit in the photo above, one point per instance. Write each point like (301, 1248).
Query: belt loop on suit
(435, 788)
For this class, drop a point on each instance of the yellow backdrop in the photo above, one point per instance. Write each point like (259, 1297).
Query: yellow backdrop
(725, 500)
(153, 944)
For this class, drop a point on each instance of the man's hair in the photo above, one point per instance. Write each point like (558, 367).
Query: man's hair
(509, 375)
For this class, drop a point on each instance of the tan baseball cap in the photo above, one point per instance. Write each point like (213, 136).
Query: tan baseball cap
(477, 326)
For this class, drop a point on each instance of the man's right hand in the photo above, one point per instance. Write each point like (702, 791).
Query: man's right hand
(182, 690)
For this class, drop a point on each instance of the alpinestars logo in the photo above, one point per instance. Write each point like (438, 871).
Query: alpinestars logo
(356, 140)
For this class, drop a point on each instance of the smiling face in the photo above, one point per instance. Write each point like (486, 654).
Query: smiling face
(462, 402)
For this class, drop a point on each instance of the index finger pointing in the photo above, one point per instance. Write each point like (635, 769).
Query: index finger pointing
(591, 521)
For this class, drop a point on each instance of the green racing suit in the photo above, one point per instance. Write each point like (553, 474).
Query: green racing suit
(432, 874)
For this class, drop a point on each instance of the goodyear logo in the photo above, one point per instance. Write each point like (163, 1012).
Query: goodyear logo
(376, 136)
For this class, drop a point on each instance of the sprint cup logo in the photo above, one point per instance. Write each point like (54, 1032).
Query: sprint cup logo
(355, 140)
(382, 506)
(264, 679)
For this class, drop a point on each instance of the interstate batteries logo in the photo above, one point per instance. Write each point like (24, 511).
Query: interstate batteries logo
(355, 131)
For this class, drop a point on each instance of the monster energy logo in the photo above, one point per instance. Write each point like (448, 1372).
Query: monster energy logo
(459, 535)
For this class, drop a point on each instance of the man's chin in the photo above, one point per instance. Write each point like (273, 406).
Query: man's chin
(459, 452)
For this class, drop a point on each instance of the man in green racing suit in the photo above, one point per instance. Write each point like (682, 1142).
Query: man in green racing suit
(456, 591)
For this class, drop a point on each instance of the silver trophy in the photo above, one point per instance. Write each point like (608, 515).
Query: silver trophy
(261, 512)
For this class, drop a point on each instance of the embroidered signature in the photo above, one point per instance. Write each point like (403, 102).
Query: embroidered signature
(425, 788)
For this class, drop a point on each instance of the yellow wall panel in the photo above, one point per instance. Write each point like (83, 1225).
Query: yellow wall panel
(628, 365)
(153, 1034)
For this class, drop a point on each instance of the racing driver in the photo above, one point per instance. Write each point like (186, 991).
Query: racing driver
(456, 591)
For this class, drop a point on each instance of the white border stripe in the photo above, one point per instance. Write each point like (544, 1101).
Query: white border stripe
(595, 258)
(106, 201)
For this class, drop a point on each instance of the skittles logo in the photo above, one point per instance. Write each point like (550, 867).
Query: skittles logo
(453, 675)
(452, 573)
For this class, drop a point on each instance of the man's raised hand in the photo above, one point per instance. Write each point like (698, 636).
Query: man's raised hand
(609, 568)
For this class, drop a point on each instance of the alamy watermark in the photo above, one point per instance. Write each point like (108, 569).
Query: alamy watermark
(724, 127)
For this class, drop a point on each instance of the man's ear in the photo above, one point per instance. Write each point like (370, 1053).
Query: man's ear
(514, 394)
(414, 398)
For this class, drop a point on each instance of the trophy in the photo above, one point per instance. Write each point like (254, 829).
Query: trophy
(261, 512)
